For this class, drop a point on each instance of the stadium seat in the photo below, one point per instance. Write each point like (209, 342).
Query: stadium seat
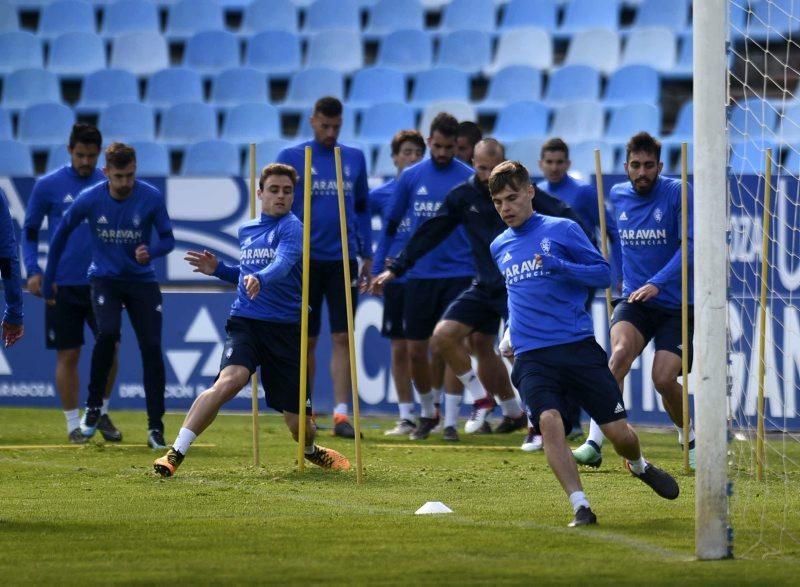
(380, 122)
(469, 14)
(524, 13)
(6, 130)
(251, 123)
(127, 122)
(211, 159)
(129, 16)
(461, 110)
(751, 119)
(410, 51)
(527, 152)
(573, 83)
(266, 153)
(66, 16)
(684, 126)
(748, 157)
(373, 85)
(389, 15)
(141, 53)
(384, 165)
(189, 17)
(654, 47)
(598, 48)
(30, 86)
(332, 14)
(775, 20)
(15, 159)
(105, 87)
(237, 86)
(9, 18)
(307, 85)
(580, 15)
(276, 53)
(18, 50)
(791, 165)
(788, 127)
(579, 121)
(581, 156)
(467, 50)
(633, 83)
(684, 66)
(209, 52)
(183, 124)
(675, 167)
(523, 46)
(336, 49)
(512, 84)
(673, 15)
(625, 121)
(152, 159)
(44, 125)
(521, 120)
(174, 85)
(439, 84)
(269, 15)
(346, 133)
(75, 55)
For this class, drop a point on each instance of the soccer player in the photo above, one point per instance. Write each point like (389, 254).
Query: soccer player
(469, 135)
(51, 197)
(264, 324)
(122, 212)
(648, 210)
(548, 265)
(12, 328)
(327, 273)
(408, 147)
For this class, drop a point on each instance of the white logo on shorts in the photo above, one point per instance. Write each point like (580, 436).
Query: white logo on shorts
(158, 308)
(101, 300)
(51, 334)
(228, 352)
(619, 409)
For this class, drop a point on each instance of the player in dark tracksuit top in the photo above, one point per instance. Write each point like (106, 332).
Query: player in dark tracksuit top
(122, 213)
(12, 329)
(548, 265)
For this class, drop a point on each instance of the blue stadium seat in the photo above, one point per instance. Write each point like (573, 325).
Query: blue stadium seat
(790, 166)
(129, 16)
(512, 84)
(74, 55)
(462, 110)
(269, 15)
(9, 18)
(469, 14)
(251, 123)
(467, 50)
(307, 85)
(188, 17)
(336, 49)
(673, 15)
(30, 86)
(684, 66)
(384, 165)
(105, 87)
(579, 121)
(209, 52)
(266, 153)
(788, 127)
(521, 120)
(573, 83)
(748, 157)
(6, 130)
(44, 125)
(675, 167)
(66, 16)
(627, 120)
(127, 122)
(438, 84)
(152, 159)
(346, 133)
(775, 19)
(239, 85)
(174, 85)
(527, 152)
(142, 53)
(684, 127)
(410, 51)
(581, 155)
(18, 50)
(523, 46)
(752, 118)
(524, 13)
(15, 159)
(598, 48)
(580, 15)
(276, 53)
(380, 122)
(389, 15)
(183, 124)
(332, 14)
(633, 83)
(654, 46)
(376, 84)
(211, 159)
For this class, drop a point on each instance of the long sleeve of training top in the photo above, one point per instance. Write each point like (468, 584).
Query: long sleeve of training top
(225, 272)
(9, 266)
(592, 274)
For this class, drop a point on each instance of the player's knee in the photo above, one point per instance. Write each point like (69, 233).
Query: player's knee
(399, 351)
(339, 339)
(664, 380)
(619, 433)
(418, 353)
(107, 339)
(69, 357)
(551, 423)
(621, 360)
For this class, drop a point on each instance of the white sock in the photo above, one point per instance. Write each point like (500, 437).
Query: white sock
(427, 407)
(472, 384)
(309, 450)
(184, 440)
(680, 433)
(511, 408)
(595, 434)
(340, 409)
(530, 424)
(578, 500)
(73, 419)
(451, 405)
(104, 408)
(639, 466)
(406, 411)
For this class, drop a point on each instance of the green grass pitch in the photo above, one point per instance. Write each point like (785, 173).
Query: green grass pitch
(97, 514)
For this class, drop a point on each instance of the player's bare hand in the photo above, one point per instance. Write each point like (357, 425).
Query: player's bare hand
(505, 344)
(547, 262)
(376, 288)
(365, 276)
(252, 285)
(50, 298)
(35, 285)
(647, 292)
(12, 333)
(142, 254)
(205, 262)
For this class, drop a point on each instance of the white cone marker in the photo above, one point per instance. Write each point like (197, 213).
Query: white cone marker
(433, 507)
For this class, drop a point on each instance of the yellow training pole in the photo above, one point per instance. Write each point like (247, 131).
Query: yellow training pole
(254, 378)
(762, 330)
(685, 302)
(337, 152)
(301, 432)
(601, 209)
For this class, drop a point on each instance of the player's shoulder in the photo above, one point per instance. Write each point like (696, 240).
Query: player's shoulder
(293, 152)
(670, 185)
(291, 222)
(557, 222)
(52, 179)
(500, 240)
(148, 189)
(350, 150)
(462, 168)
(622, 188)
(385, 188)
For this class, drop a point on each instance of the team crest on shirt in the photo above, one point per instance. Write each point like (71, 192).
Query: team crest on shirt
(545, 245)
(137, 221)
(658, 214)
(347, 170)
(270, 237)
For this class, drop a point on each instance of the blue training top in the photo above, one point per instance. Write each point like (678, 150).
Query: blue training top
(546, 303)
(51, 197)
(9, 265)
(650, 231)
(272, 250)
(379, 200)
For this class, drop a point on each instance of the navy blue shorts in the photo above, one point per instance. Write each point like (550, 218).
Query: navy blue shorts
(480, 308)
(64, 322)
(549, 377)
(426, 301)
(326, 280)
(661, 325)
(275, 348)
(394, 295)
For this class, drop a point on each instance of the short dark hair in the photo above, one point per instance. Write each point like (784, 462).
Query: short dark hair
(86, 134)
(444, 123)
(643, 142)
(554, 144)
(120, 155)
(511, 174)
(277, 169)
(408, 135)
(493, 145)
(471, 131)
(328, 106)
